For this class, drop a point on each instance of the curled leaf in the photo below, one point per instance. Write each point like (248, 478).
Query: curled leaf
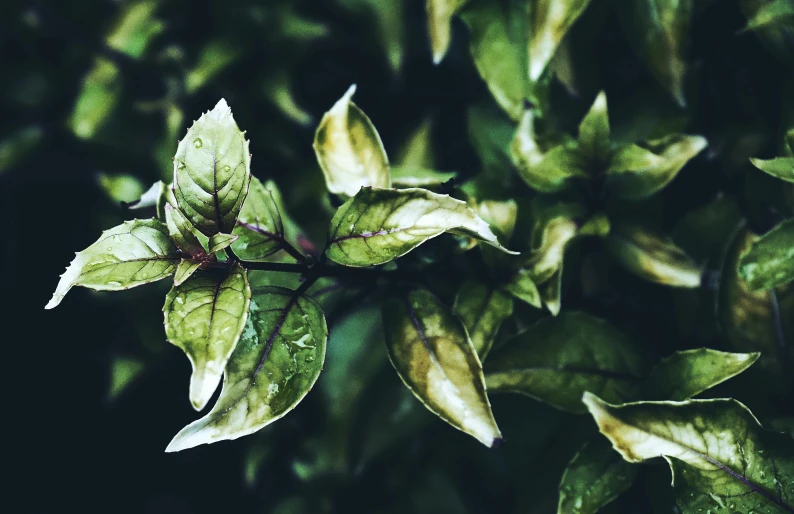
(349, 149)
(132, 254)
(433, 355)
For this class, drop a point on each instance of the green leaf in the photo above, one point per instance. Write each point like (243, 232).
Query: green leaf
(183, 233)
(216, 56)
(185, 270)
(594, 133)
(18, 145)
(781, 167)
(433, 355)
(770, 260)
(132, 254)
(688, 373)
(594, 478)
(439, 20)
(482, 309)
(410, 176)
(498, 35)
(417, 150)
(135, 27)
(259, 227)
(276, 362)
(772, 13)
(212, 171)
(97, 100)
(349, 149)
(640, 171)
(204, 316)
(152, 197)
(652, 256)
(551, 20)
(659, 31)
(120, 187)
(720, 455)
(379, 225)
(547, 172)
(220, 241)
(523, 287)
(554, 227)
(557, 359)
(123, 372)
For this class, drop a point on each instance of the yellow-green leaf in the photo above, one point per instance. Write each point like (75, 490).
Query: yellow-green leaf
(594, 134)
(212, 171)
(379, 225)
(523, 287)
(216, 56)
(132, 254)
(204, 316)
(276, 362)
(781, 167)
(433, 355)
(439, 19)
(135, 27)
(220, 241)
(97, 100)
(349, 149)
(551, 20)
(185, 270)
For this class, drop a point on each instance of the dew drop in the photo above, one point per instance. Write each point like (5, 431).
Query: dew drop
(110, 248)
(114, 283)
(227, 169)
(197, 142)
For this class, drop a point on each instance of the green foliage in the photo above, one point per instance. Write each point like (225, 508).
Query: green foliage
(603, 249)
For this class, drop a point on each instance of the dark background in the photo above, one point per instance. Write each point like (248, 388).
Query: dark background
(68, 447)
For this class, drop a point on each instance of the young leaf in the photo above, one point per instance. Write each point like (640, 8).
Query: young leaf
(213, 58)
(482, 309)
(781, 167)
(185, 270)
(547, 172)
(276, 362)
(204, 316)
(259, 227)
(349, 149)
(720, 455)
(132, 254)
(212, 171)
(690, 372)
(433, 355)
(379, 225)
(220, 241)
(557, 359)
(653, 257)
(523, 287)
(498, 36)
(551, 20)
(182, 232)
(640, 171)
(594, 133)
(439, 20)
(594, 478)
(770, 260)
(658, 30)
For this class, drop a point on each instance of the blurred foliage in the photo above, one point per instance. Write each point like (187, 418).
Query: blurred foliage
(96, 93)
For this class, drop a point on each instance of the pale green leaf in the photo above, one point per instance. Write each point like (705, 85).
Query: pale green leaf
(781, 167)
(135, 27)
(594, 478)
(120, 187)
(720, 455)
(349, 149)
(772, 13)
(379, 225)
(433, 355)
(185, 270)
(551, 20)
(183, 233)
(652, 256)
(770, 260)
(557, 359)
(688, 373)
(524, 288)
(659, 31)
(499, 39)
(482, 309)
(220, 241)
(97, 99)
(212, 171)
(545, 171)
(18, 145)
(134, 253)
(276, 362)
(260, 229)
(153, 197)
(212, 60)
(594, 133)
(410, 176)
(204, 316)
(439, 18)
(640, 171)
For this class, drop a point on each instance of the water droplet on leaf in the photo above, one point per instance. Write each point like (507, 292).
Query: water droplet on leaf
(197, 142)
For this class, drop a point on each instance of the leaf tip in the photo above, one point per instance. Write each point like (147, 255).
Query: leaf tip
(497, 442)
